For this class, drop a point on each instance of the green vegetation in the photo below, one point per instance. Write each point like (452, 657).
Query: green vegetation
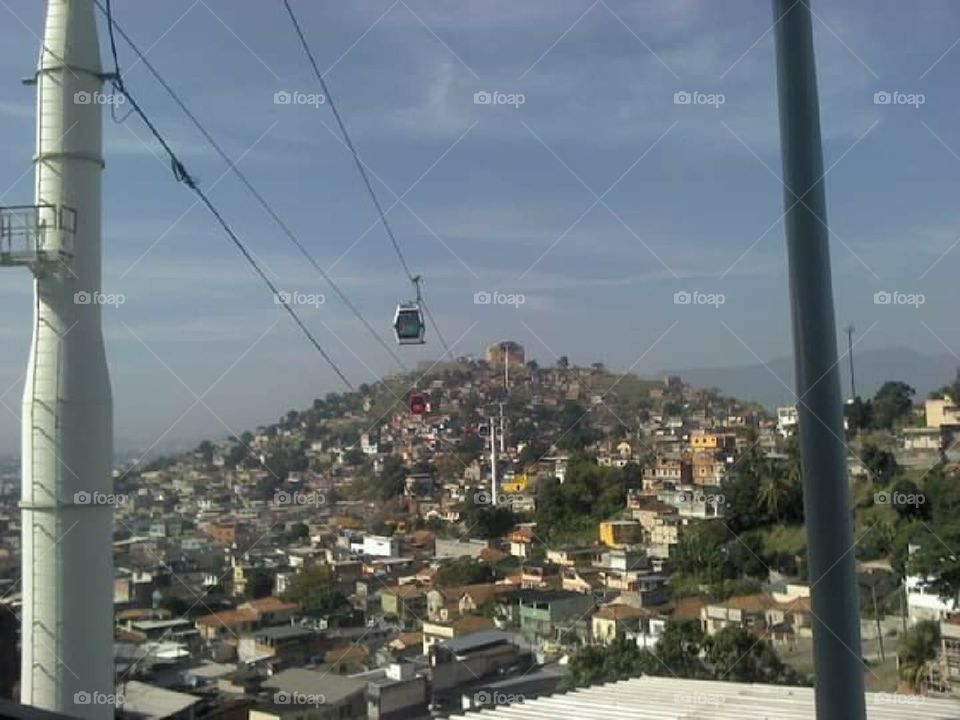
(589, 494)
(463, 571)
(259, 584)
(732, 654)
(314, 588)
(917, 652)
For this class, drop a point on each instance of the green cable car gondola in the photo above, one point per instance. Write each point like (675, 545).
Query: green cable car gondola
(408, 321)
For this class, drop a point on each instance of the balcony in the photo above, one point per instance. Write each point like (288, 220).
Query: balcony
(33, 235)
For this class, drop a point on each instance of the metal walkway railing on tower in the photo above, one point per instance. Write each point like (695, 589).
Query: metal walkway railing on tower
(35, 234)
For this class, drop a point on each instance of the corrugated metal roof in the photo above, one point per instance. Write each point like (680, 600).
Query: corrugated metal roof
(475, 640)
(659, 698)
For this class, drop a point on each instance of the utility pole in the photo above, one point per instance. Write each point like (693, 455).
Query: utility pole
(493, 462)
(853, 383)
(876, 614)
(837, 665)
(502, 433)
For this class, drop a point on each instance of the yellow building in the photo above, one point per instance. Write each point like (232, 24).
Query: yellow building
(613, 622)
(620, 533)
(942, 411)
(515, 485)
(702, 440)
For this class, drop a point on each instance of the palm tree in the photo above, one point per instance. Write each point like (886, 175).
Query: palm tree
(917, 653)
(773, 484)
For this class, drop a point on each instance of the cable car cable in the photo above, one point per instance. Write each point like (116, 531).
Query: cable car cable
(361, 169)
(246, 182)
(182, 175)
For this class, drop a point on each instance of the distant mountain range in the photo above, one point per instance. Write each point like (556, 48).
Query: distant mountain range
(760, 383)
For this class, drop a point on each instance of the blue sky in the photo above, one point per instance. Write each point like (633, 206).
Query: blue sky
(494, 197)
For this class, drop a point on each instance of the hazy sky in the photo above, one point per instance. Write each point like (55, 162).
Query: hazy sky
(598, 198)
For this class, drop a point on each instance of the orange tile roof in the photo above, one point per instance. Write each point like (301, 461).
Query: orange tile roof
(271, 604)
(470, 624)
(405, 592)
(799, 604)
(621, 612)
(347, 653)
(408, 639)
(688, 608)
(755, 603)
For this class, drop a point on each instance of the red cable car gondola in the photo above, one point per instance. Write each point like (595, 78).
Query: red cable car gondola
(418, 403)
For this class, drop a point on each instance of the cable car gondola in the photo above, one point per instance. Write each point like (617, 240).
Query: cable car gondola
(408, 320)
(418, 403)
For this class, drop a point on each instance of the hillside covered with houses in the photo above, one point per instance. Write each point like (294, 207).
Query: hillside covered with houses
(482, 530)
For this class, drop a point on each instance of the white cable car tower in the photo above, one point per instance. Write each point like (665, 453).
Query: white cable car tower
(67, 426)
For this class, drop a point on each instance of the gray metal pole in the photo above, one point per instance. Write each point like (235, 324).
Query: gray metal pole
(837, 665)
(853, 380)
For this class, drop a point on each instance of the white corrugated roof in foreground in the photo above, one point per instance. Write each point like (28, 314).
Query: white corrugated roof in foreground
(659, 698)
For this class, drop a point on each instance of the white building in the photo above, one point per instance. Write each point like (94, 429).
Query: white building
(381, 546)
(923, 603)
(787, 419)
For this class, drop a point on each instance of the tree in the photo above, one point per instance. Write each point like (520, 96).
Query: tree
(892, 402)
(679, 648)
(617, 661)
(205, 450)
(353, 457)
(735, 654)
(297, 532)
(773, 485)
(259, 584)
(702, 554)
(881, 464)
(316, 591)
(490, 523)
(392, 480)
(916, 652)
(463, 571)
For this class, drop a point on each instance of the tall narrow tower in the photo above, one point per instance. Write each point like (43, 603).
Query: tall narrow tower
(67, 432)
